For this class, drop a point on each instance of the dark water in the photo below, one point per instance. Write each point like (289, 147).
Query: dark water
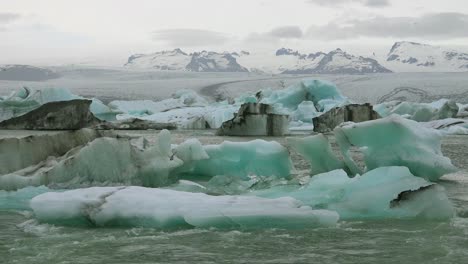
(22, 240)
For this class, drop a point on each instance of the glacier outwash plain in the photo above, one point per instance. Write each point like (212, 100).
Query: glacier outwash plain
(405, 173)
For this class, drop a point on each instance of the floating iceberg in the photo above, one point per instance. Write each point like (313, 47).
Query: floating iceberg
(307, 90)
(449, 126)
(180, 99)
(26, 100)
(104, 161)
(421, 112)
(161, 208)
(305, 112)
(257, 157)
(191, 117)
(255, 119)
(186, 109)
(395, 141)
(20, 152)
(317, 151)
(387, 192)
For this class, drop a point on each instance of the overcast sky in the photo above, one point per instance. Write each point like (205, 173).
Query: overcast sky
(108, 31)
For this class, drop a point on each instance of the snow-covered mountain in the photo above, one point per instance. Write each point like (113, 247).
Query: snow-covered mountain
(177, 60)
(337, 62)
(292, 61)
(209, 61)
(414, 57)
(173, 60)
(403, 57)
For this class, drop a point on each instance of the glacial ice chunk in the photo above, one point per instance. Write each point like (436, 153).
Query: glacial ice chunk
(161, 208)
(317, 151)
(193, 117)
(306, 90)
(257, 157)
(386, 192)
(421, 112)
(305, 112)
(191, 150)
(104, 161)
(25, 100)
(449, 126)
(395, 141)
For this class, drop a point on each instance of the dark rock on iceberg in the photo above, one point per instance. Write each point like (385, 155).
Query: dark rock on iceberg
(255, 119)
(136, 124)
(60, 115)
(353, 112)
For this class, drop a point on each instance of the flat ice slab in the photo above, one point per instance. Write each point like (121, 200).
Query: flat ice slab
(161, 208)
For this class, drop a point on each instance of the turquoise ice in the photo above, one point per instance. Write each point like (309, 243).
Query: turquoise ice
(395, 141)
(373, 195)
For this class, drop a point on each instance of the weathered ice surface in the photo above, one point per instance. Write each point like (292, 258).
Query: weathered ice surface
(306, 90)
(395, 141)
(254, 119)
(104, 161)
(135, 124)
(317, 151)
(421, 112)
(348, 113)
(386, 192)
(18, 153)
(60, 115)
(24, 100)
(240, 159)
(168, 209)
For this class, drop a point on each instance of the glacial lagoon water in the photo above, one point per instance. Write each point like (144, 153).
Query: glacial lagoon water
(24, 240)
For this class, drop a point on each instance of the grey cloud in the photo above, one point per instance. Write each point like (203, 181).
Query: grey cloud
(189, 37)
(368, 3)
(286, 32)
(433, 26)
(6, 18)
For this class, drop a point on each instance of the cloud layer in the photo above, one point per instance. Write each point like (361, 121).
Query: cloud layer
(6, 18)
(430, 26)
(286, 32)
(189, 37)
(368, 3)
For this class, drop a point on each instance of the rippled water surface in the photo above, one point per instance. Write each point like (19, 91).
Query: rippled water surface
(23, 240)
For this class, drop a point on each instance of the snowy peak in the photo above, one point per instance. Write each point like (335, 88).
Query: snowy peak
(412, 56)
(284, 51)
(177, 60)
(338, 62)
(171, 60)
(209, 61)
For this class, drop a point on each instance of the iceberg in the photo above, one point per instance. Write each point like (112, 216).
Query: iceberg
(193, 117)
(317, 151)
(168, 209)
(26, 100)
(20, 152)
(395, 141)
(104, 161)
(421, 112)
(254, 119)
(305, 112)
(180, 99)
(257, 157)
(306, 90)
(386, 192)
(449, 126)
